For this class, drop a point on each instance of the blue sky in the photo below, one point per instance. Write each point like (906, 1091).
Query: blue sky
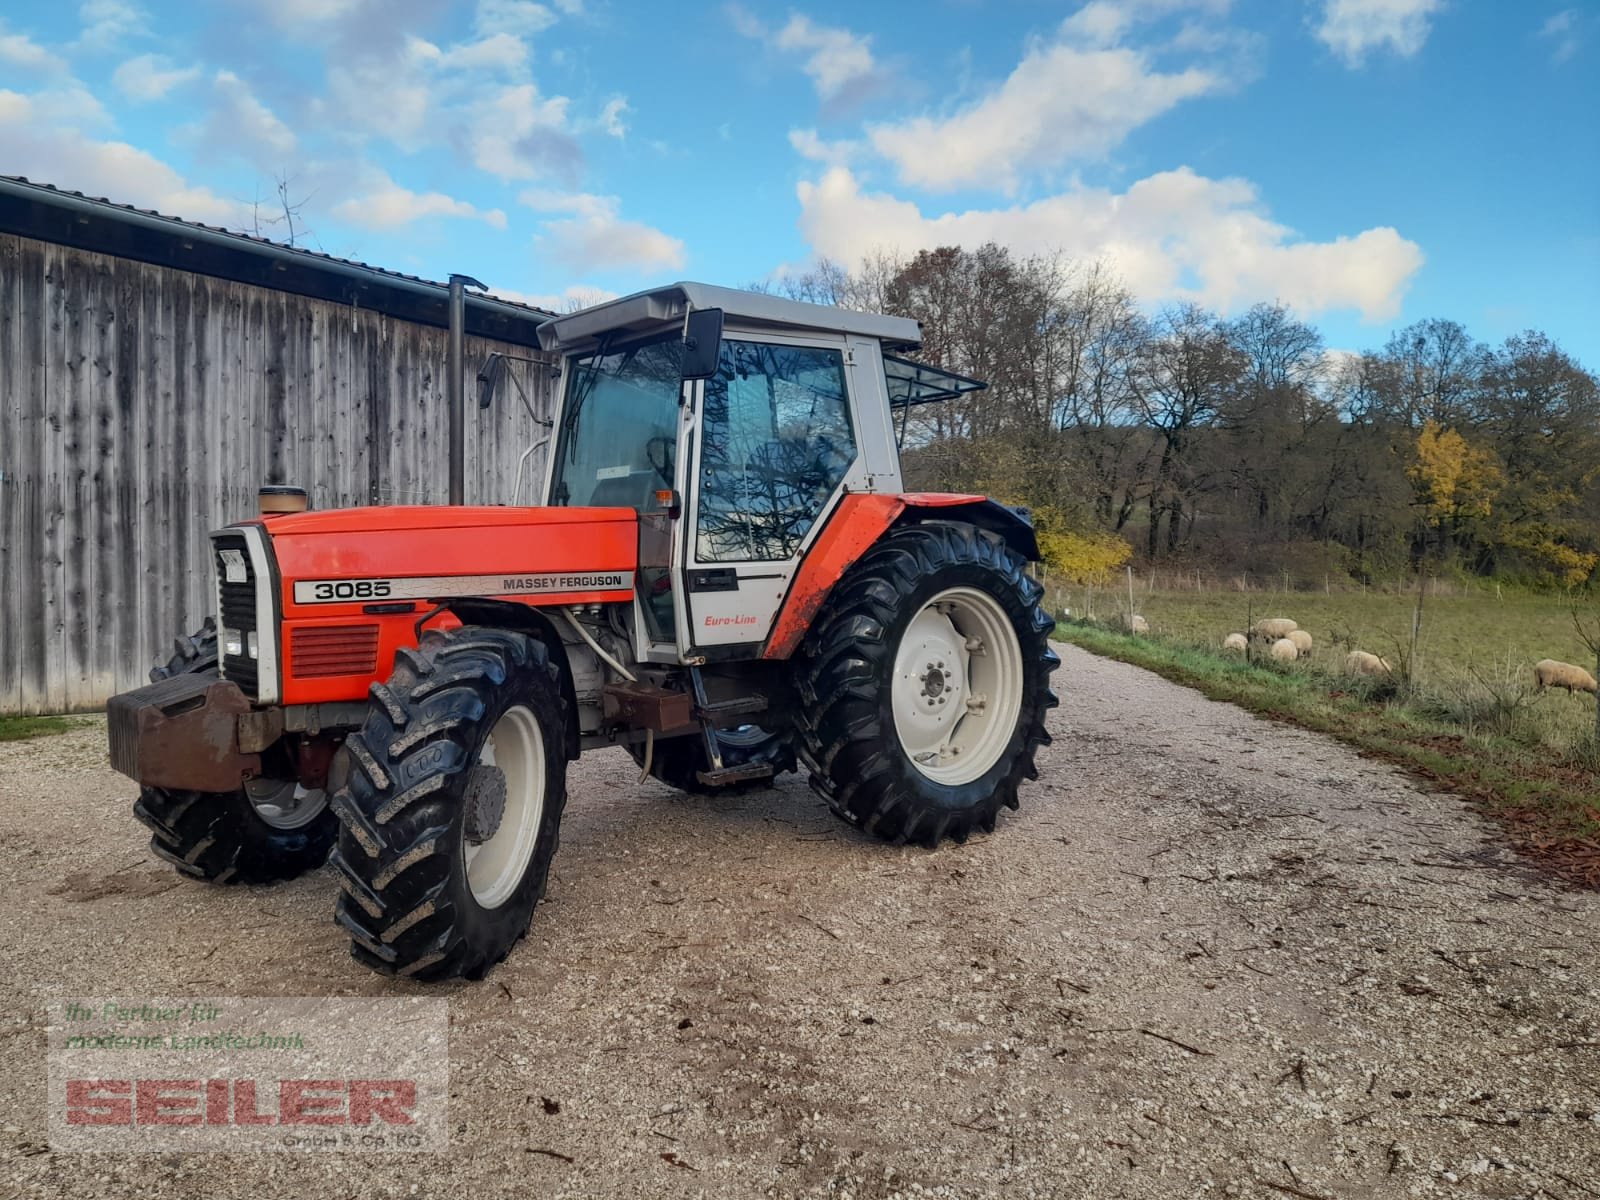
(1369, 162)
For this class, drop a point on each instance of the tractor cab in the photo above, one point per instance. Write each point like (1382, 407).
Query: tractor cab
(734, 424)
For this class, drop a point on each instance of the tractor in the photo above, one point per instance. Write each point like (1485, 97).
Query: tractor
(725, 579)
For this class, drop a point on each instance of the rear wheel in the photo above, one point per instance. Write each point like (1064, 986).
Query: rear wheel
(925, 683)
(268, 831)
(451, 807)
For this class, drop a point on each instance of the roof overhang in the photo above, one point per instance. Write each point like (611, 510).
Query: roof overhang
(656, 310)
(47, 214)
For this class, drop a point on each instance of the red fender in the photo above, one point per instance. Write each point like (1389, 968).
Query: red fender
(856, 525)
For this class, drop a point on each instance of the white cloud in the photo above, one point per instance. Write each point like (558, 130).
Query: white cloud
(589, 234)
(520, 18)
(151, 76)
(70, 105)
(497, 52)
(838, 59)
(1174, 235)
(808, 144)
(569, 299)
(108, 23)
(33, 143)
(1354, 28)
(385, 95)
(1074, 97)
(516, 133)
(1562, 31)
(20, 51)
(387, 205)
(1107, 22)
(611, 117)
(240, 124)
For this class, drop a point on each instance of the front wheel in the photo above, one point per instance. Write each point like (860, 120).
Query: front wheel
(925, 684)
(267, 831)
(450, 809)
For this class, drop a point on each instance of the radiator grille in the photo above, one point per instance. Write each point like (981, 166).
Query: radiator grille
(320, 650)
(237, 610)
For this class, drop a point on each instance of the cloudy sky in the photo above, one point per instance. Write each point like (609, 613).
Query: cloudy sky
(1368, 162)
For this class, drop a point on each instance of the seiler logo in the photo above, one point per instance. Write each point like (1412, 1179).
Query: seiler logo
(736, 619)
(234, 1102)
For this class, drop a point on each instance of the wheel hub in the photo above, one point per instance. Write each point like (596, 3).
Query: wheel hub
(485, 802)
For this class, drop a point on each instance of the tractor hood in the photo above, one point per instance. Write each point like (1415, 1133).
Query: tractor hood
(335, 562)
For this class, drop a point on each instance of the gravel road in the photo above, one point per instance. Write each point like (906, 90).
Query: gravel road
(1209, 956)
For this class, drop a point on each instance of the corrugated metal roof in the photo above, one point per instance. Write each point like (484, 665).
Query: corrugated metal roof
(49, 213)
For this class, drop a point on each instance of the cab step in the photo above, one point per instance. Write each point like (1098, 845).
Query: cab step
(743, 773)
(730, 712)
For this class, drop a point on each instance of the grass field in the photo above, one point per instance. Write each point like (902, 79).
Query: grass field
(1469, 719)
(1475, 653)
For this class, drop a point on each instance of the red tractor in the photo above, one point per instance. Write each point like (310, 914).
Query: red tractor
(725, 579)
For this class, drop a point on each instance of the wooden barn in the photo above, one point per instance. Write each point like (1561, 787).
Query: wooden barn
(154, 373)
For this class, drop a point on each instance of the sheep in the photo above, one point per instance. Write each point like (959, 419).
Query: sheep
(1139, 624)
(1302, 641)
(1359, 662)
(1548, 673)
(1283, 650)
(1273, 628)
(1235, 641)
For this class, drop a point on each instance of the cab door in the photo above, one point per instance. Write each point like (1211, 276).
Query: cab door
(773, 447)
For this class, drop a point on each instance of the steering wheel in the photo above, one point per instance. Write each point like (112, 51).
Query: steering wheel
(663, 467)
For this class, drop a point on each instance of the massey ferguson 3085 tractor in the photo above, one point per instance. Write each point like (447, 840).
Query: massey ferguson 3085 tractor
(725, 579)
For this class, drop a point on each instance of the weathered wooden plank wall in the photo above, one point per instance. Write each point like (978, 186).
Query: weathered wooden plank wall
(141, 407)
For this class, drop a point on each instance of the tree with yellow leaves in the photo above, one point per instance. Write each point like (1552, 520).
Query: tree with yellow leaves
(1456, 482)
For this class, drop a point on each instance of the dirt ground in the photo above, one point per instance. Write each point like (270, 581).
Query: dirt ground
(1209, 956)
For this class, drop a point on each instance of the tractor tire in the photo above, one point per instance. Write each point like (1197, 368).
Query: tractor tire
(197, 652)
(888, 704)
(450, 809)
(677, 762)
(220, 837)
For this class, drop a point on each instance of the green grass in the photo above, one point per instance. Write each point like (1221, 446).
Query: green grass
(20, 729)
(1498, 759)
(1474, 660)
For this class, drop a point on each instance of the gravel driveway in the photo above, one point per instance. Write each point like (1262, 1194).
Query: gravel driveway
(1210, 955)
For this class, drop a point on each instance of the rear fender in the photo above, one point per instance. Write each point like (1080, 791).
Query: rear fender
(858, 524)
(1015, 525)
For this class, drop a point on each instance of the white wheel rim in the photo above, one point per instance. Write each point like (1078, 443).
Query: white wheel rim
(957, 688)
(283, 803)
(497, 865)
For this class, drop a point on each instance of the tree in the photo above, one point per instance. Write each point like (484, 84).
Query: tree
(1186, 373)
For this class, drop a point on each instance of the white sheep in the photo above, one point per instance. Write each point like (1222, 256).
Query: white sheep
(1140, 625)
(1548, 673)
(1302, 641)
(1359, 662)
(1283, 650)
(1235, 641)
(1273, 628)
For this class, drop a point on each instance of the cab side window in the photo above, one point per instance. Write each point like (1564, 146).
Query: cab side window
(776, 443)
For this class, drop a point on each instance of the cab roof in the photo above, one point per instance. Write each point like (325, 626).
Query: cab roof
(646, 312)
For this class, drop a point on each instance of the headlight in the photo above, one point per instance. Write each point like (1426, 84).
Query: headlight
(232, 643)
(252, 645)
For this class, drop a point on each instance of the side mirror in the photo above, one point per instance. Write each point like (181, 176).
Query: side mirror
(702, 343)
(489, 376)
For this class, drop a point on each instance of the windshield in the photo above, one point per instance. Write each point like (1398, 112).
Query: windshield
(619, 426)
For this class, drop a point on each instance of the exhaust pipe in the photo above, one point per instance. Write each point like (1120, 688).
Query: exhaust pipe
(456, 385)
